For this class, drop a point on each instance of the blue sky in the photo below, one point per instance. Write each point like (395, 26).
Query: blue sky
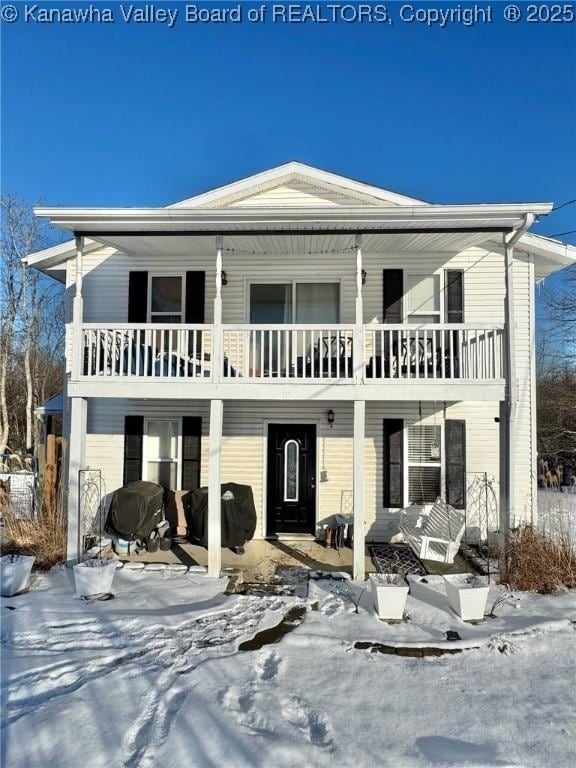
(126, 114)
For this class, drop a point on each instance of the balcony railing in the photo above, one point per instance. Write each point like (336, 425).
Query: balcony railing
(155, 351)
(288, 352)
(292, 353)
(454, 351)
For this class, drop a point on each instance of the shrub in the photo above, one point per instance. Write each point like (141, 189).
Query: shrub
(43, 535)
(536, 563)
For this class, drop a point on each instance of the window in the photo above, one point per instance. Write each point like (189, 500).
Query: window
(166, 299)
(162, 452)
(271, 303)
(280, 303)
(424, 463)
(291, 467)
(423, 298)
(305, 302)
(317, 303)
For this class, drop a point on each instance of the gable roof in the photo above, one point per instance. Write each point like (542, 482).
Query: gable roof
(295, 195)
(328, 188)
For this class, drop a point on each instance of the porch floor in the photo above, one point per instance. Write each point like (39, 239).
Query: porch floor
(262, 557)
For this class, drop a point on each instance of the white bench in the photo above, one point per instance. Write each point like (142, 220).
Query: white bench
(435, 535)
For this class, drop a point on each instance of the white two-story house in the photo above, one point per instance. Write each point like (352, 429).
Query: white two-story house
(312, 336)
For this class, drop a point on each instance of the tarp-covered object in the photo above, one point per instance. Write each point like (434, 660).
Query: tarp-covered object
(135, 510)
(238, 515)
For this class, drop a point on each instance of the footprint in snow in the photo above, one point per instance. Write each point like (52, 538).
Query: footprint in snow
(237, 699)
(331, 606)
(267, 665)
(311, 721)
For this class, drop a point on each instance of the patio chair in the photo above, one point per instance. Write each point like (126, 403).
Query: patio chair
(435, 535)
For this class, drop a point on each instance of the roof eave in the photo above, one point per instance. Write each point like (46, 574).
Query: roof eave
(85, 220)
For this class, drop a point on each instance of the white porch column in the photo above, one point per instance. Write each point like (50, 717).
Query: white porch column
(358, 474)
(217, 364)
(76, 462)
(214, 490)
(77, 311)
(358, 355)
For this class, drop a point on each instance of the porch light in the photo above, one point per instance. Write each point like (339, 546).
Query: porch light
(224, 277)
(364, 276)
(435, 450)
(330, 418)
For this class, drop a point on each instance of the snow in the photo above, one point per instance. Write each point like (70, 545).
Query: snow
(155, 678)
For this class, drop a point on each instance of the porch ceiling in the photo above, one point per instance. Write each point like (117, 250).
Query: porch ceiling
(167, 245)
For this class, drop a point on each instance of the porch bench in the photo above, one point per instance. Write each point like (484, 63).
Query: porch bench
(435, 535)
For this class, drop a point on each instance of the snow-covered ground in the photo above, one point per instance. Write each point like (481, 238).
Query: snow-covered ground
(155, 678)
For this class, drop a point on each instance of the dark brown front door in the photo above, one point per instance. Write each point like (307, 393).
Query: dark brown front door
(291, 478)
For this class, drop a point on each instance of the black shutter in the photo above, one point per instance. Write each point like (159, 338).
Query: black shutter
(454, 296)
(137, 297)
(195, 285)
(392, 291)
(133, 438)
(455, 440)
(191, 441)
(393, 463)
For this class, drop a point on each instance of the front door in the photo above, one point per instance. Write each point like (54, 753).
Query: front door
(291, 478)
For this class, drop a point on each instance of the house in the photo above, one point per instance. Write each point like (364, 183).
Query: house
(328, 342)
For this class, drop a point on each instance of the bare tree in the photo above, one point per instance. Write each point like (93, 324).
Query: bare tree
(560, 303)
(556, 362)
(31, 323)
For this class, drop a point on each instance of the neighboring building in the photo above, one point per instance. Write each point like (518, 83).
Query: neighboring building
(331, 343)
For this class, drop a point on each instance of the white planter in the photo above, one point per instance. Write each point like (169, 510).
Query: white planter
(15, 572)
(389, 594)
(466, 599)
(91, 579)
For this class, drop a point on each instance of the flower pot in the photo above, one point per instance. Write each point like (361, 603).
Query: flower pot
(389, 592)
(94, 577)
(15, 572)
(465, 597)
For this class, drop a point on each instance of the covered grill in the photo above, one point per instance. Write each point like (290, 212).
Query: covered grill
(135, 510)
(238, 515)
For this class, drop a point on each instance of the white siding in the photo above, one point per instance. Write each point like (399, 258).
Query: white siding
(525, 440)
(296, 194)
(105, 286)
(243, 451)
(106, 297)
(243, 445)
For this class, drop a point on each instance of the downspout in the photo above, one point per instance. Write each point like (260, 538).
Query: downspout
(510, 405)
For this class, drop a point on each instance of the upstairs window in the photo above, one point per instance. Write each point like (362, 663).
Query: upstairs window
(424, 463)
(423, 299)
(166, 300)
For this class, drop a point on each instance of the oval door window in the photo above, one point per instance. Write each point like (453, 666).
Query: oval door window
(291, 461)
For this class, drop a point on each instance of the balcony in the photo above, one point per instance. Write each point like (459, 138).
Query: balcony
(439, 361)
